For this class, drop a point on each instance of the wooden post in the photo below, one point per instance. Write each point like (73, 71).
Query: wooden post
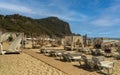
(72, 43)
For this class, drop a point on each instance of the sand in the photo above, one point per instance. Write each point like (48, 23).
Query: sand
(23, 64)
(113, 59)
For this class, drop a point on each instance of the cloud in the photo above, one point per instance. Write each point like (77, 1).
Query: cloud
(94, 17)
(103, 21)
(44, 9)
(108, 16)
(60, 9)
(18, 8)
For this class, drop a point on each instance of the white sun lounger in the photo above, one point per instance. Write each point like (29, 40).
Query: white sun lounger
(13, 47)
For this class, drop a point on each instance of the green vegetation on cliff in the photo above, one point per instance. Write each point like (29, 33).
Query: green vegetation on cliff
(51, 26)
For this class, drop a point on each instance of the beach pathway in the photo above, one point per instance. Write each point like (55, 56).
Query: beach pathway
(65, 67)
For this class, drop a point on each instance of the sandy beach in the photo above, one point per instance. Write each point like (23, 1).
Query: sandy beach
(60, 37)
(23, 64)
(116, 66)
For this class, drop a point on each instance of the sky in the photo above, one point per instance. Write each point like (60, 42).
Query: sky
(96, 18)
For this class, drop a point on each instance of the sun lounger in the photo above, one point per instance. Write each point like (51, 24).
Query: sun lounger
(71, 56)
(74, 56)
(13, 48)
(88, 62)
(65, 57)
(102, 64)
(117, 54)
(97, 52)
(48, 52)
(58, 53)
(107, 65)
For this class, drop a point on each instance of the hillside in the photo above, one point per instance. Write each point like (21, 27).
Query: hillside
(51, 26)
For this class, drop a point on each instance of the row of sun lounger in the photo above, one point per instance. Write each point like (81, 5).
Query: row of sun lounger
(88, 61)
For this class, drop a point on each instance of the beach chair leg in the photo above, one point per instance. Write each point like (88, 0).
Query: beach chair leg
(80, 62)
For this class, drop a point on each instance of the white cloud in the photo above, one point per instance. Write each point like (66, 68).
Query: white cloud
(111, 21)
(108, 16)
(51, 8)
(61, 10)
(18, 8)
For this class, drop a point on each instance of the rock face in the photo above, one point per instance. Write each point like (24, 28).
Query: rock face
(51, 26)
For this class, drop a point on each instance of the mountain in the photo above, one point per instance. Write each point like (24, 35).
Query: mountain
(51, 26)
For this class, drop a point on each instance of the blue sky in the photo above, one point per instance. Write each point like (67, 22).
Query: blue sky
(97, 18)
